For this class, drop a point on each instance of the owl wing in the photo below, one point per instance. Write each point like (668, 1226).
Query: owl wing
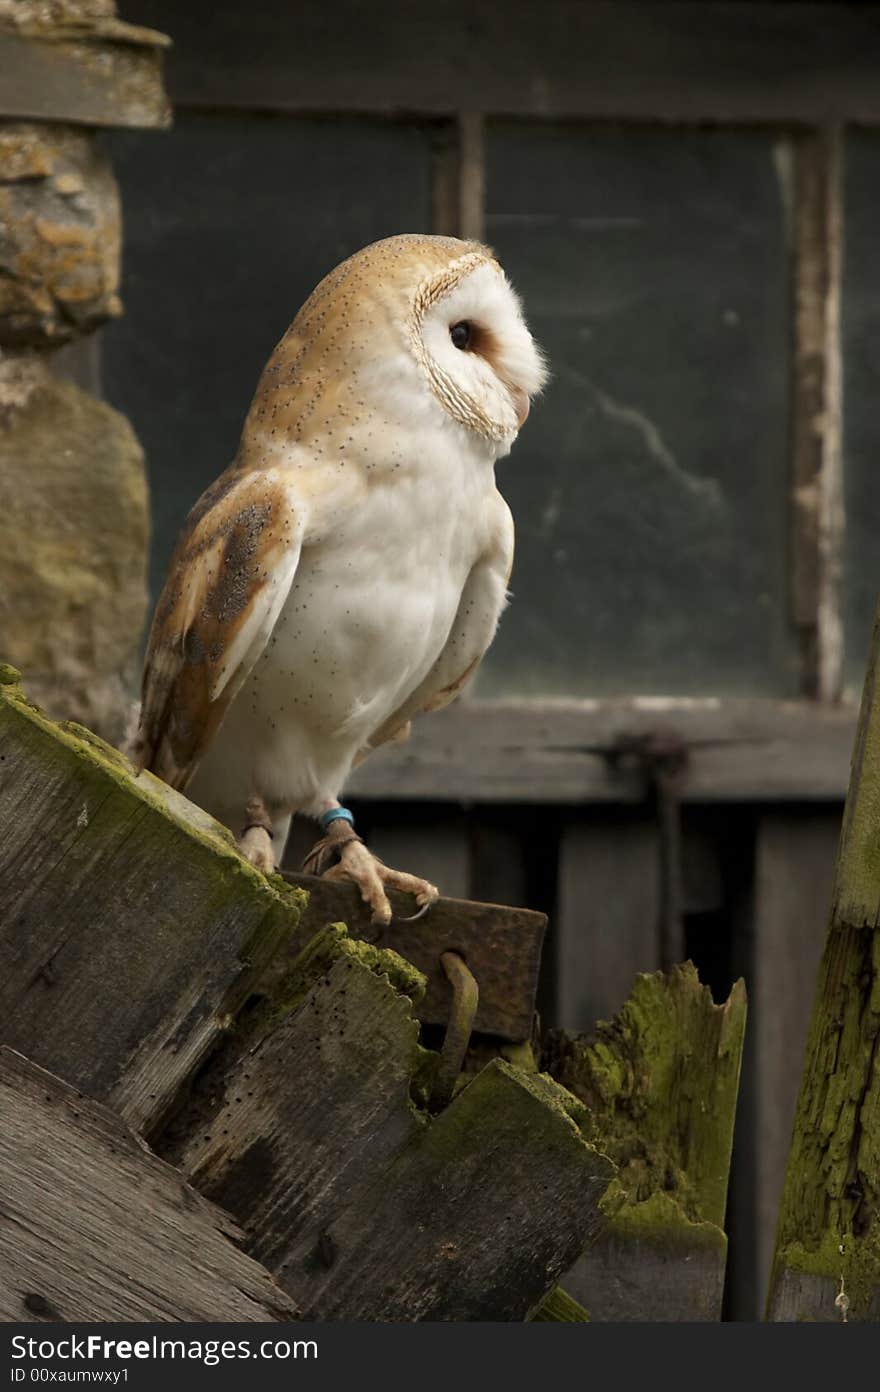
(482, 601)
(230, 574)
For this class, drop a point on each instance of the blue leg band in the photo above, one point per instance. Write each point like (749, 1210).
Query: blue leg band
(336, 814)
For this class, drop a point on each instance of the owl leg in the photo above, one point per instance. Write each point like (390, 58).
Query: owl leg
(359, 866)
(255, 841)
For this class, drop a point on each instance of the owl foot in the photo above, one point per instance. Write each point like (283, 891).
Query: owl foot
(358, 866)
(255, 842)
(255, 845)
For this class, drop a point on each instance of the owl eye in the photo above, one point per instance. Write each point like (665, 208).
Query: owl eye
(461, 334)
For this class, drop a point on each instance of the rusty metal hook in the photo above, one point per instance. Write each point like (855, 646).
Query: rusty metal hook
(465, 999)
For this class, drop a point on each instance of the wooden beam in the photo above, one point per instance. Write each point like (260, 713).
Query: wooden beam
(566, 59)
(311, 1130)
(94, 1227)
(827, 1259)
(567, 752)
(96, 74)
(606, 928)
(660, 1085)
(794, 871)
(817, 408)
(131, 930)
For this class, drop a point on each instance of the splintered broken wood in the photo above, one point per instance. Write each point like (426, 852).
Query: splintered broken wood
(660, 1084)
(366, 1208)
(501, 945)
(827, 1259)
(95, 1227)
(131, 930)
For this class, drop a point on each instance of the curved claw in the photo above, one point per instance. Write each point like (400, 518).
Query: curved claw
(420, 913)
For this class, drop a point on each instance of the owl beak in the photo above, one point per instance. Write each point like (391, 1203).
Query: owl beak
(520, 405)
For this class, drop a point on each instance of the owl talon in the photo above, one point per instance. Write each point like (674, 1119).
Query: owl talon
(360, 867)
(255, 845)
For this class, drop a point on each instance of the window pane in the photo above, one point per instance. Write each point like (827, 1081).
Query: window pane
(230, 222)
(861, 337)
(649, 486)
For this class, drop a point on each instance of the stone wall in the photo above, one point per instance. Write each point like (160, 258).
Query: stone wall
(74, 511)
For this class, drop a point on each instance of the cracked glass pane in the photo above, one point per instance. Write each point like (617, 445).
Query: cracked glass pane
(649, 485)
(861, 431)
(230, 222)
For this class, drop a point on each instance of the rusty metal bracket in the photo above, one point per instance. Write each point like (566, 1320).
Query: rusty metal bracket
(465, 999)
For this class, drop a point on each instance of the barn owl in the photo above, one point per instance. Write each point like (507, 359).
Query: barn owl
(348, 570)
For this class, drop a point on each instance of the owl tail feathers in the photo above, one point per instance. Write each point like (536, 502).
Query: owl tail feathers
(132, 740)
(144, 753)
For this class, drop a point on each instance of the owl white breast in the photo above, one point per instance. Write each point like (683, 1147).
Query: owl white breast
(348, 571)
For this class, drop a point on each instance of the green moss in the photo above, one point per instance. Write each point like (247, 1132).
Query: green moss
(521, 1054)
(829, 1220)
(317, 958)
(659, 1220)
(558, 1307)
(97, 756)
(659, 1086)
(854, 1262)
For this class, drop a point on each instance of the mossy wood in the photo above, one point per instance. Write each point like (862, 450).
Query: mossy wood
(94, 1227)
(827, 1259)
(559, 1308)
(131, 930)
(660, 1085)
(501, 945)
(307, 1130)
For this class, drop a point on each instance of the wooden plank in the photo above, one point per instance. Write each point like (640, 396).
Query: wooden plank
(84, 78)
(501, 945)
(500, 847)
(827, 1259)
(94, 1227)
(607, 922)
(566, 751)
(660, 1084)
(363, 1206)
(607, 58)
(817, 417)
(794, 871)
(287, 1125)
(130, 927)
(500, 1225)
(472, 175)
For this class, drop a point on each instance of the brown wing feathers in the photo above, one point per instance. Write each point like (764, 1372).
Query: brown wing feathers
(228, 578)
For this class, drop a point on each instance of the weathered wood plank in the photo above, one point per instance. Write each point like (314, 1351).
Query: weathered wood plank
(364, 1206)
(606, 58)
(827, 1258)
(90, 75)
(479, 1219)
(660, 1084)
(130, 927)
(94, 1227)
(565, 751)
(608, 915)
(501, 945)
(794, 871)
(817, 409)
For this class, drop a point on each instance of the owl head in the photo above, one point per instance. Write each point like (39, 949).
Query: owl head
(411, 329)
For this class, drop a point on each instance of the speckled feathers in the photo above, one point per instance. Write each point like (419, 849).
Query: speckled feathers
(348, 570)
